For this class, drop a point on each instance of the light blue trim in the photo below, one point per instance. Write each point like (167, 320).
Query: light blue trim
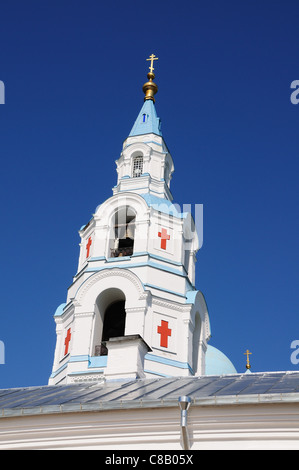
(83, 226)
(97, 361)
(56, 372)
(127, 190)
(157, 373)
(147, 253)
(161, 258)
(158, 258)
(148, 142)
(190, 296)
(140, 253)
(132, 189)
(59, 310)
(151, 286)
(119, 264)
(153, 142)
(116, 260)
(82, 358)
(101, 361)
(163, 205)
(169, 362)
(151, 125)
(93, 362)
(138, 265)
(161, 267)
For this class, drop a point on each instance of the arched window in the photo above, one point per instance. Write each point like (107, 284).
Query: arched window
(123, 231)
(137, 167)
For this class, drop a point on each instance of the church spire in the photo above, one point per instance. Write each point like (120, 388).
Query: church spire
(147, 121)
(150, 88)
(132, 309)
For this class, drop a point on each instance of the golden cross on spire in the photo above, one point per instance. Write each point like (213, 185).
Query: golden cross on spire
(152, 58)
(247, 353)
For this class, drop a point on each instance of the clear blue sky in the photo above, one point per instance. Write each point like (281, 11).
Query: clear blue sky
(73, 72)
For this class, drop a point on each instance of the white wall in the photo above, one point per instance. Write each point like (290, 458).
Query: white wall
(258, 426)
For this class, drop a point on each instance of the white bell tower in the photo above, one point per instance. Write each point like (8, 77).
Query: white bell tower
(132, 310)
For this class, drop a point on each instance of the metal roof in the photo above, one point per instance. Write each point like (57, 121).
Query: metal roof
(263, 387)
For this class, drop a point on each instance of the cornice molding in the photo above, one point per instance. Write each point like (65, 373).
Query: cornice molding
(111, 273)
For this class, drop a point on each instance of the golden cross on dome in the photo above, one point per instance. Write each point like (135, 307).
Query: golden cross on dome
(152, 58)
(248, 366)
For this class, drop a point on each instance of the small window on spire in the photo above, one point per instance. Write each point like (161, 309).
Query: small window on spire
(144, 117)
(137, 166)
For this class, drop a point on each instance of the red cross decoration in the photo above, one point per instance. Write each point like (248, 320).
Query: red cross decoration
(164, 237)
(164, 331)
(88, 247)
(67, 341)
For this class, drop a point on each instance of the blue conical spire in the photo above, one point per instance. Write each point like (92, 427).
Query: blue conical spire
(147, 121)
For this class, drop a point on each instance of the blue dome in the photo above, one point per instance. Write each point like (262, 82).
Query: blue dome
(217, 363)
(59, 310)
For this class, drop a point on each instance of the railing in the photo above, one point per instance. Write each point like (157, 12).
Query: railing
(101, 350)
(127, 251)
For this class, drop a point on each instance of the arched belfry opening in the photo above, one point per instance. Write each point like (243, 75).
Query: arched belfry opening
(110, 319)
(114, 320)
(122, 233)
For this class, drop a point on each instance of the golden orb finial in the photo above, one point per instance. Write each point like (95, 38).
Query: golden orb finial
(150, 88)
(248, 366)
